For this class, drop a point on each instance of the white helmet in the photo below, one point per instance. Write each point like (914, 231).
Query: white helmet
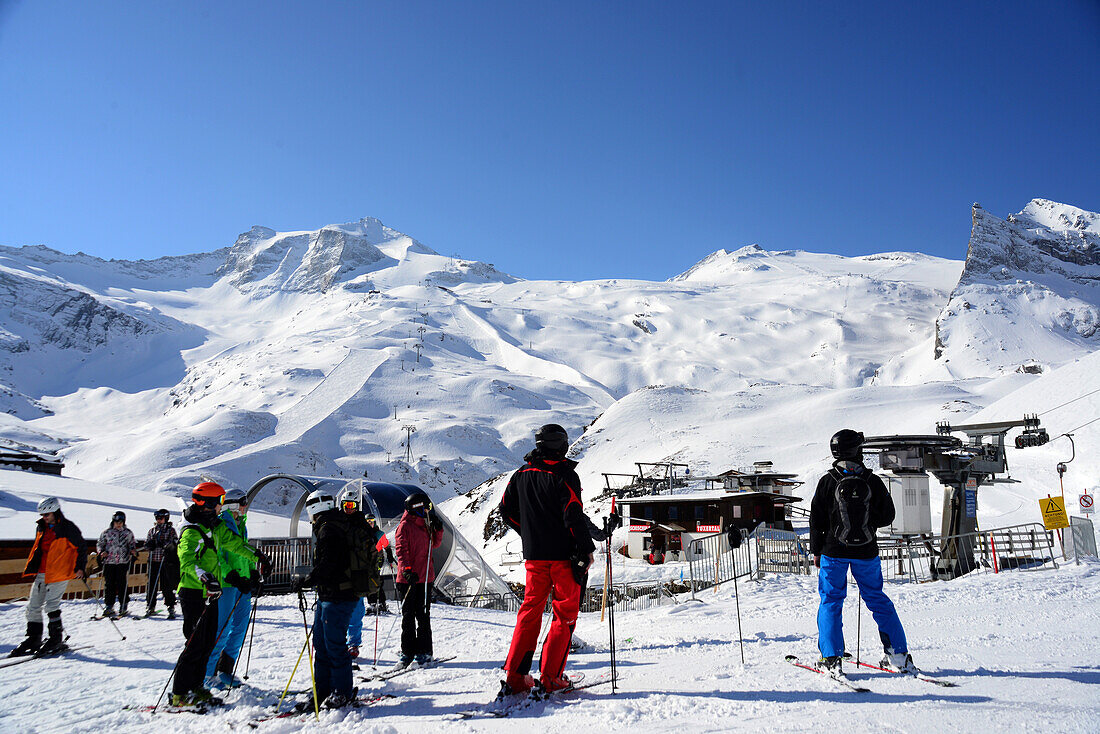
(49, 504)
(319, 501)
(234, 498)
(352, 493)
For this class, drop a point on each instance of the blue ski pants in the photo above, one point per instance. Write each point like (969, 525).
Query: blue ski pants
(332, 666)
(355, 626)
(232, 629)
(832, 585)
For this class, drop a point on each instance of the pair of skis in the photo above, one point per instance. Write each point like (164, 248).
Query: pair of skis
(504, 706)
(19, 659)
(402, 669)
(842, 680)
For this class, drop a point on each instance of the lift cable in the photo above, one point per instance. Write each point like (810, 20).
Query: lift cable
(1078, 428)
(1071, 401)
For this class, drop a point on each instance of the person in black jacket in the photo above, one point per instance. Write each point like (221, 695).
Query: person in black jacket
(543, 504)
(331, 575)
(850, 503)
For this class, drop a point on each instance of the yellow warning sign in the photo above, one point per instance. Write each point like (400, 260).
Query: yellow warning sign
(1054, 513)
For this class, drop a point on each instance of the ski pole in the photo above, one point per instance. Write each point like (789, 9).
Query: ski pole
(859, 620)
(737, 601)
(375, 638)
(393, 624)
(198, 625)
(293, 672)
(309, 656)
(89, 588)
(251, 637)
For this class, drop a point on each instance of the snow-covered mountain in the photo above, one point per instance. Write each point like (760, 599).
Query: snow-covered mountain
(1029, 296)
(311, 352)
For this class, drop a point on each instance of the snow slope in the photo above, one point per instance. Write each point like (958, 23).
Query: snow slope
(1022, 647)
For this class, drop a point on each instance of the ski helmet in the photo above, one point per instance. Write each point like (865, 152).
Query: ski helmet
(418, 503)
(319, 501)
(351, 499)
(49, 504)
(119, 516)
(161, 513)
(552, 440)
(234, 498)
(846, 444)
(208, 494)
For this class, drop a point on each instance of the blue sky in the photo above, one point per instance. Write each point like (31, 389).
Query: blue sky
(568, 140)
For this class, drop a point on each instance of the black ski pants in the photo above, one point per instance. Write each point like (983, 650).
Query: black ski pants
(200, 627)
(115, 577)
(416, 622)
(164, 574)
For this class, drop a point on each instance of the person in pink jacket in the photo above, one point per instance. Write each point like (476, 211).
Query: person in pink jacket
(420, 530)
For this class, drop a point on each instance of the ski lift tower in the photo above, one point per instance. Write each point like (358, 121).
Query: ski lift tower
(961, 467)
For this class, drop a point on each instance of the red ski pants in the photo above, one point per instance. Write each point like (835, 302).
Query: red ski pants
(544, 577)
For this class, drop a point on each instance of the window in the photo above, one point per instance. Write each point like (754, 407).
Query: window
(673, 512)
(647, 512)
(699, 512)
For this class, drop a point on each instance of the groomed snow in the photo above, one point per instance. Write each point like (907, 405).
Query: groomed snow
(1023, 647)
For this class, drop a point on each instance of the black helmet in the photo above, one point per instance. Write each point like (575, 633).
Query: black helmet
(551, 440)
(161, 513)
(418, 503)
(846, 444)
(119, 516)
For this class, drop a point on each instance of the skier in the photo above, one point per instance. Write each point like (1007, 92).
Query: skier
(849, 504)
(351, 502)
(542, 502)
(58, 554)
(164, 564)
(377, 599)
(116, 549)
(241, 576)
(201, 541)
(336, 597)
(419, 531)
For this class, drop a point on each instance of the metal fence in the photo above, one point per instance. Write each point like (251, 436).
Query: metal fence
(1027, 547)
(1082, 537)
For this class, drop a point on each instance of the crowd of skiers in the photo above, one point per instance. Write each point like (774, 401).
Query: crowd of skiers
(214, 572)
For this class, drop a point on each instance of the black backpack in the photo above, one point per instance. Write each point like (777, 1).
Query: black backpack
(852, 509)
(363, 566)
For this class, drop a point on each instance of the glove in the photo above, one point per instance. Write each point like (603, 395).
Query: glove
(390, 558)
(817, 561)
(614, 520)
(410, 576)
(255, 582)
(239, 582)
(733, 535)
(210, 583)
(300, 583)
(263, 563)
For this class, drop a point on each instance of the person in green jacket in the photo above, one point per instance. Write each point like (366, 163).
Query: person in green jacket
(202, 540)
(240, 578)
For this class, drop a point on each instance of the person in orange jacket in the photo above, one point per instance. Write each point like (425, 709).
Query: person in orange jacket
(58, 555)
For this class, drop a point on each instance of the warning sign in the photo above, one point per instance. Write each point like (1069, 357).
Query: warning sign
(1054, 513)
(1085, 502)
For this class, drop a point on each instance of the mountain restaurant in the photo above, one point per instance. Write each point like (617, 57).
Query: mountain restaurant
(662, 527)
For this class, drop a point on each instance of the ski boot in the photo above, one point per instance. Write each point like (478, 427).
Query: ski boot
(339, 700)
(514, 684)
(109, 612)
(30, 645)
(172, 612)
(554, 684)
(200, 698)
(902, 662)
(224, 674)
(404, 660)
(830, 665)
(55, 642)
(422, 659)
(149, 612)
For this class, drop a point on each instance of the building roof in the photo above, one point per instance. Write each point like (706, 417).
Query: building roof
(711, 496)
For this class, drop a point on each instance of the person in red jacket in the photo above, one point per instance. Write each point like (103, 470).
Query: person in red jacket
(420, 530)
(58, 555)
(542, 502)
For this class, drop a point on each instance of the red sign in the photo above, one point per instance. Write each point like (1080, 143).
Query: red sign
(707, 529)
(638, 528)
(1085, 501)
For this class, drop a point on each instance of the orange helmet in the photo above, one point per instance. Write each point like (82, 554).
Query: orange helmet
(207, 493)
